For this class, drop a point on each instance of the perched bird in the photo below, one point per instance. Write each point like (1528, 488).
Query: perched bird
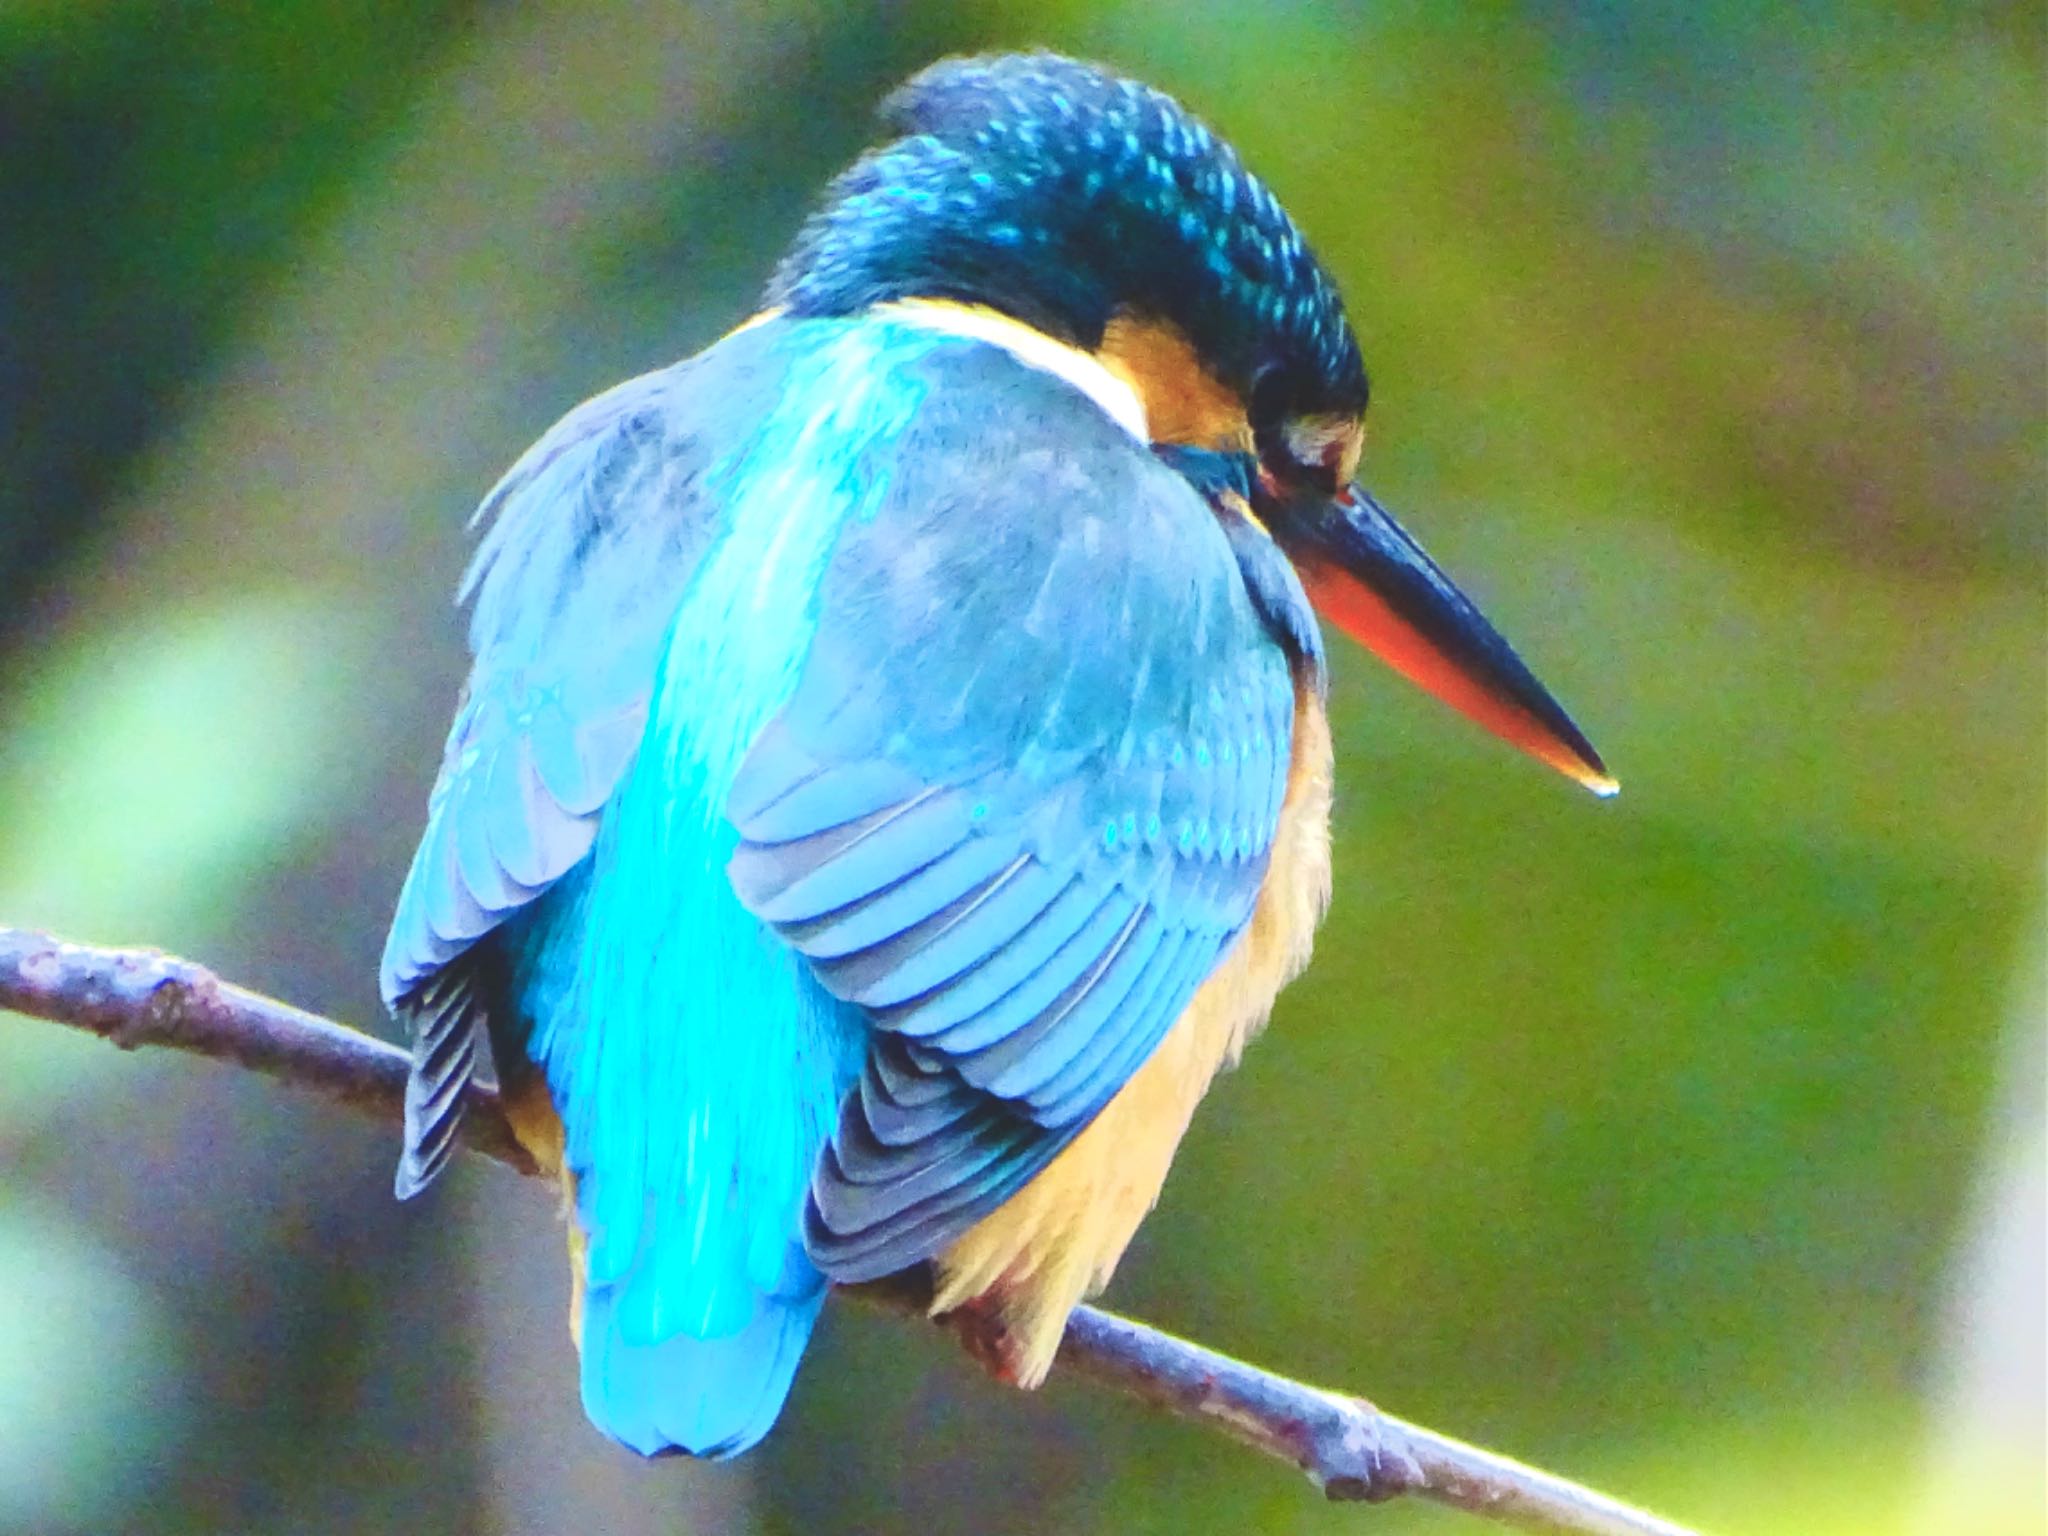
(894, 776)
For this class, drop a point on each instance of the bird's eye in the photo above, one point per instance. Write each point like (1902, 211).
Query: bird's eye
(1299, 445)
(1326, 448)
(1273, 415)
(1318, 451)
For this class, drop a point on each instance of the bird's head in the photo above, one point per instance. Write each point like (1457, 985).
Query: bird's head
(1099, 213)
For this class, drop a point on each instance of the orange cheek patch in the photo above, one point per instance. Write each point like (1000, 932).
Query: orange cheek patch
(1365, 616)
(1184, 403)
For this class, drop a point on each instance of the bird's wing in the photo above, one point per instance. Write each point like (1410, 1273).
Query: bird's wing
(593, 536)
(1018, 805)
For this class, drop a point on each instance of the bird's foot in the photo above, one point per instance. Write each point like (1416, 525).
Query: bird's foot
(984, 1332)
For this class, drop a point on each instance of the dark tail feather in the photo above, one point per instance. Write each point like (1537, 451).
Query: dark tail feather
(446, 1017)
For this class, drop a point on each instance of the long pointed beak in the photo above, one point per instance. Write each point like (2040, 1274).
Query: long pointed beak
(1368, 577)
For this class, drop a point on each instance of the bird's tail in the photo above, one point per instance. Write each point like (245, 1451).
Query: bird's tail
(699, 1396)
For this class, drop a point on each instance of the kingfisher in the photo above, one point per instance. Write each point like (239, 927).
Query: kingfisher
(894, 778)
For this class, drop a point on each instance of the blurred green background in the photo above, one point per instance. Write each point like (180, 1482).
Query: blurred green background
(1691, 1144)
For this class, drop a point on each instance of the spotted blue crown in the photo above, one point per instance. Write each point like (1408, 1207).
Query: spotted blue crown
(1063, 194)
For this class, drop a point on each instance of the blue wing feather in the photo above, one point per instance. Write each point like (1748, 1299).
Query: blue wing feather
(965, 870)
(899, 977)
(550, 719)
(1018, 803)
(571, 600)
(954, 657)
(574, 832)
(1084, 1016)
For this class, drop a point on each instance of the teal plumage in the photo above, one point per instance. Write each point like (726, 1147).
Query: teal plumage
(850, 846)
(893, 776)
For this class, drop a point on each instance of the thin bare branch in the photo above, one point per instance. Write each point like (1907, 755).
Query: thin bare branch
(1348, 1448)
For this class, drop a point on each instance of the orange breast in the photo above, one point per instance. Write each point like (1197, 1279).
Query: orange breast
(1025, 1266)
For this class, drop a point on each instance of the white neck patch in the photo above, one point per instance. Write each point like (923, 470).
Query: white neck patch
(1034, 349)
